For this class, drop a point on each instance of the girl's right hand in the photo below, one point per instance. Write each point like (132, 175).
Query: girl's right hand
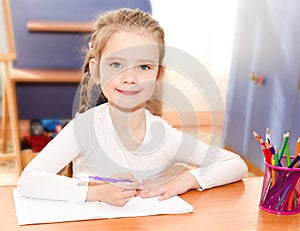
(117, 194)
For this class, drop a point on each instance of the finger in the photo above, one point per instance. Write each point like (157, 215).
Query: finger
(125, 191)
(96, 183)
(127, 185)
(124, 197)
(150, 193)
(129, 193)
(165, 196)
(152, 183)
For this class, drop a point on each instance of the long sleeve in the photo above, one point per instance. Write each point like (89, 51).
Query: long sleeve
(40, 180)
(225, 167)
(90, 142)
(216, 166)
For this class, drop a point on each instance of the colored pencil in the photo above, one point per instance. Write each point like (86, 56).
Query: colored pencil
(284, 143)
(297, 150)
(266, 151)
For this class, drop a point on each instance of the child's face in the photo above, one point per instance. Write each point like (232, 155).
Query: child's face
(129, 69)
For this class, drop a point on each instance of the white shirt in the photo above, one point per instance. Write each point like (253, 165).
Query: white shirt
(91, 142)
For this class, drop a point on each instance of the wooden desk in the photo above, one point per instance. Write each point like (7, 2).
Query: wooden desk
(231, 207)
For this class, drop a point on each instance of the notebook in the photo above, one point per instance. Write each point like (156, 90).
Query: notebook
(35, 211)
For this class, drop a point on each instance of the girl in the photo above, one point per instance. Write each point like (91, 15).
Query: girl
(121, 139)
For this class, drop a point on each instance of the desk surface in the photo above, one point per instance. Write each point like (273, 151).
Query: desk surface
(230, 207)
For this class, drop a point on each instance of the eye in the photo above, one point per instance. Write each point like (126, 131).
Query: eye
(144, 67)
(116, 65)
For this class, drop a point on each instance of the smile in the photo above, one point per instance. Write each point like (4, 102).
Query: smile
(128, 92)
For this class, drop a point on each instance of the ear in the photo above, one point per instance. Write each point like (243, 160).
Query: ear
(92, 63)
(94, 70)
(161, 72)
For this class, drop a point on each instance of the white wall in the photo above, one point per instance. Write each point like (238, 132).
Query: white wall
(3, 46)
(3, 39)
(205, 29)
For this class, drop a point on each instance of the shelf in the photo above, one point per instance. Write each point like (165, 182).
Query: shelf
(47, 75)
(59, 26)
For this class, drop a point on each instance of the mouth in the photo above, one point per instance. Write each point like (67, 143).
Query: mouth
(128, 92)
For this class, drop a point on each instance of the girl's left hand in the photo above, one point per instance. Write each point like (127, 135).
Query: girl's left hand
(179, 185)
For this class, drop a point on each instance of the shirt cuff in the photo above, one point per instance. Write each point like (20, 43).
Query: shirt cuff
(80, 191)
(204, 184)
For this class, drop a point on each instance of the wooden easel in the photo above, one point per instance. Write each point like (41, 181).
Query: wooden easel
(9, 106)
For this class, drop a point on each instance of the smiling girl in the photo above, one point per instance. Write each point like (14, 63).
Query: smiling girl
(121, 139)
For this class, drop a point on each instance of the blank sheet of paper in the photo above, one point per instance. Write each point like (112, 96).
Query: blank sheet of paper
(34, 211)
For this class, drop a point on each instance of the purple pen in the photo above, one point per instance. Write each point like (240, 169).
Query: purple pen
(106, 179)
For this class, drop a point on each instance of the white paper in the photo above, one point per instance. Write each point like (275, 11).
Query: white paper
(34, 211)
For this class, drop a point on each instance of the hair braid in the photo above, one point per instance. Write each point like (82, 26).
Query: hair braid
(84, 92)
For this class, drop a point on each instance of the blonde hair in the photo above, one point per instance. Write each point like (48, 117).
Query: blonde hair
(107, 24)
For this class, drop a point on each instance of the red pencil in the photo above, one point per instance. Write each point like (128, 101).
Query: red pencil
(267, 154)
(266, 151)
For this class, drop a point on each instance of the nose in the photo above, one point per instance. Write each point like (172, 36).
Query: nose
(129, 77)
